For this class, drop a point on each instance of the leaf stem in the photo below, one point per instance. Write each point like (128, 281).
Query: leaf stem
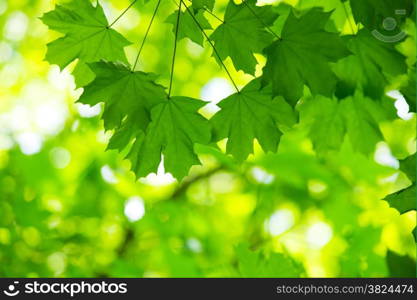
(262, 21)
(352, 28)
(211, 13)
(146, 35)
(207, 10)
(122, 14)
(211, 44)
(175, 49)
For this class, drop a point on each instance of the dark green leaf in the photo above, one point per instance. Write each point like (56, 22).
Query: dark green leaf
(251, 114)
(175, 128)
(404, 200)
(122, 91)
(202, 4)
(86, 36)
(369, 67)
(243, 33)
(188, 27)
(401, 266)
(302, 56)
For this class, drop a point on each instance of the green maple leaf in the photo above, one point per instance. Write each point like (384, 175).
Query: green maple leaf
(362, 241)
(329, 121)
(243, 33)
(409, 91)
(404, 200)
(254, 264)
(408, 166)
(202, 4)
(175, 127)
(325, 122)
(122, 91)
(251, 114)
(87, 37)
(302, 56)
(188, 27)
(369, 67)
(400, 266)
(372, 13)
(362, 118)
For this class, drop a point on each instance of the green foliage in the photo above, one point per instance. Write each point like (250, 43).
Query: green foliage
(409, 90)
(125, 94)
(371, 13)
(254, 264)
(306, 170)
(87, 37)
(188, 27)
(201, 4)
(371, 62)
(404, 200)
(400, 266)
(243, 33)
(174, 129)
(302, 56)
(250, 114)
(356, 117)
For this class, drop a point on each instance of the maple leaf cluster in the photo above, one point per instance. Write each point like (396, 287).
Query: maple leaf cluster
(314, 76)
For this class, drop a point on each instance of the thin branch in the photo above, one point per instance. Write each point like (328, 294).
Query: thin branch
(211, 44)
(146, 35)
(175, 50)
(121, 15)
(187, 183)
(262, 21)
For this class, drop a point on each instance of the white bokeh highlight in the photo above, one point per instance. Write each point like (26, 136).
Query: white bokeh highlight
(403, 109)
(214, 91)
(280, 221)
(134, 208)
(318, 235)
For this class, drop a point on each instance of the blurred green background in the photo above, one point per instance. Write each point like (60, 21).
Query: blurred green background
(68, 208)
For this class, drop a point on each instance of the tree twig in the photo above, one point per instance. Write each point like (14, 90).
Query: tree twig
(122, 14)
(146, 35)
(175, 50)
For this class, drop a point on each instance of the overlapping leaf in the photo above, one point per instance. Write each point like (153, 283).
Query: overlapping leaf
(400, 266)
(324, 119)
(142, 116)
(302, 56)
(409, 91)
(362, 117)
(358, 117)
(175, 127)
(405, 200)
(124, 92)
(252, 264)
(251, 114)
(369, 67)
(372, 13)
(243, 33)
(188, 27)
(87, 37)
(139, 110)
(202, 4)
